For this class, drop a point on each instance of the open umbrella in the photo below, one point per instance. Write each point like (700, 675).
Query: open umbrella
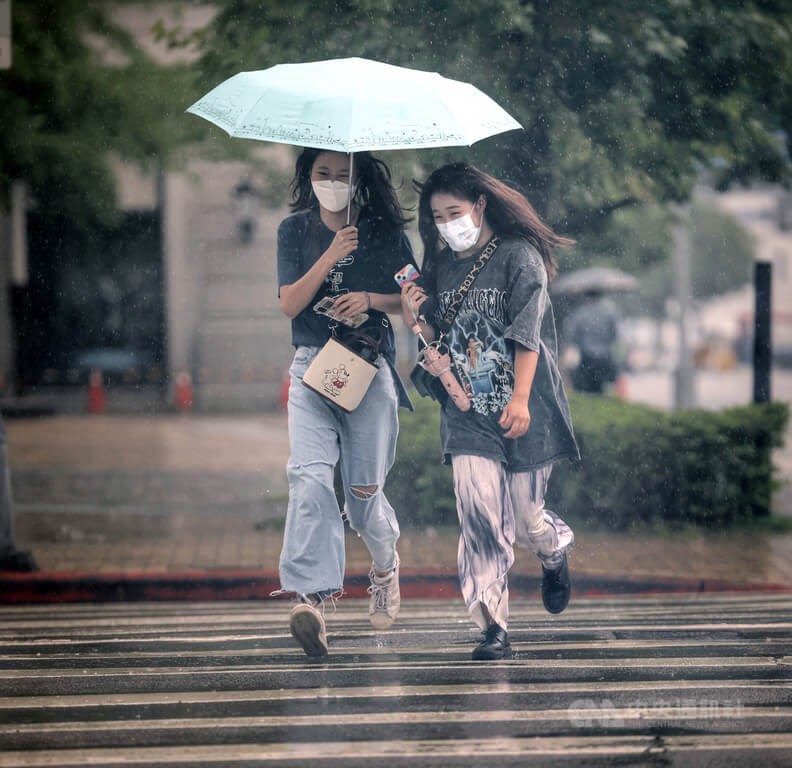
(599, 279)
(351, 105)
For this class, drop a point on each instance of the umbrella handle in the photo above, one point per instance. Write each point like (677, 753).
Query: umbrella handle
(349, 199)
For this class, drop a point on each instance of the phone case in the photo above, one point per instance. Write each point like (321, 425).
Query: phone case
(406, 274)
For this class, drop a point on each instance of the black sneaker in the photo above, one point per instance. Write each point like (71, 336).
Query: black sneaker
(556, 587)
(494, 646)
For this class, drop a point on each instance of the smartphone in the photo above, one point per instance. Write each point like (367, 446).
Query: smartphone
(325, 307)
(406, 274)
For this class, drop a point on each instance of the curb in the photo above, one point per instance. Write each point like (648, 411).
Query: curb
(209, 586)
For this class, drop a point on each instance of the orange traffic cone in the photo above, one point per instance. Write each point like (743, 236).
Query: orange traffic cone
(96, 393)
(620, 386)
(184, 391)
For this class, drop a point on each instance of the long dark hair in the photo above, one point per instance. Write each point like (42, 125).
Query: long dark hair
(508, 212)
(374, 188)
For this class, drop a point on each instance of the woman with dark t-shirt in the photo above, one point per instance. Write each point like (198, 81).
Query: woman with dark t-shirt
(321, 255)
(502, 342)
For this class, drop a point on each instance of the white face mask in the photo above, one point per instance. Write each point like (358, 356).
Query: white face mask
(461, 234)
(332, 195)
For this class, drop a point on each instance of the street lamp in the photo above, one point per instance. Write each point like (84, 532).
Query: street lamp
(245, 199)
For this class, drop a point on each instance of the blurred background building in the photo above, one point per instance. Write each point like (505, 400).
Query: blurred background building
(186, 282)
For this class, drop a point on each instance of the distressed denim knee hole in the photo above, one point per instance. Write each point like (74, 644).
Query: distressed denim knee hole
(363, 492)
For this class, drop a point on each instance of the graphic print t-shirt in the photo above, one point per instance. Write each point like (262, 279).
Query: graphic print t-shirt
(508, 303)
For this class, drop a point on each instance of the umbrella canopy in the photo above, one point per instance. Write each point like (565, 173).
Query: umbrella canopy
(601, 279)
(351, 105)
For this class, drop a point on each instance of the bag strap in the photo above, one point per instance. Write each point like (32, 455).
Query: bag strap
(447, 320)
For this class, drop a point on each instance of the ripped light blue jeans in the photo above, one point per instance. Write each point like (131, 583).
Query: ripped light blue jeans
(313, 556)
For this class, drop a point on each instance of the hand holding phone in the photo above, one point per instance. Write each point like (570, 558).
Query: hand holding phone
(325, 306)
(407, 274)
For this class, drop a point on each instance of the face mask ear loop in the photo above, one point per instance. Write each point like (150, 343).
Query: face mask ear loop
(349, 199)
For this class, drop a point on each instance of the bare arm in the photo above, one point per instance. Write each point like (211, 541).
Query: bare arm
(349, 304)
(516, 418)
(389, 303)
(412, 297)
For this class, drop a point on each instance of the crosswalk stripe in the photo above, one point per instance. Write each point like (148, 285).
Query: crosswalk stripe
(462, 751)
(223, 684)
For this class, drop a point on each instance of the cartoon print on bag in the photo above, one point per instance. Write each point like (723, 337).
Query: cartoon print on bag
(334, 380)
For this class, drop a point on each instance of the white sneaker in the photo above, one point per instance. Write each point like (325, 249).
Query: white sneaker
(307, 626)
(385, 598)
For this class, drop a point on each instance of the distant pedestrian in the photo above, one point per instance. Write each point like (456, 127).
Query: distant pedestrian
(11, 558)
(593, 328)
(351, 266)
(484, 242)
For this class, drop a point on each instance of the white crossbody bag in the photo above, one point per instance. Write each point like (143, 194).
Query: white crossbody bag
(340, 375)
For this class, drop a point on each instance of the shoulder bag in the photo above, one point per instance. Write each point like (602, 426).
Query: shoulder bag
(343, 371)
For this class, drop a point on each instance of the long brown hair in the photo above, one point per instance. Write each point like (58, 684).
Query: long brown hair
(508, 212)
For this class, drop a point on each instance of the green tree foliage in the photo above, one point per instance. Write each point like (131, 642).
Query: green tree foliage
(79, 89)
(639, 241)
(722, 252)
(621, 101)
(635, 240)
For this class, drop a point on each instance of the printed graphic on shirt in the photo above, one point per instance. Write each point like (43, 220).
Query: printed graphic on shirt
(335, 277)
(483, 361)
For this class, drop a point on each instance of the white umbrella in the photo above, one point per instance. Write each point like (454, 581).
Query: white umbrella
(351, 105)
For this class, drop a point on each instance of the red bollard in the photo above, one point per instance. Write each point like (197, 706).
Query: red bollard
(96, 393)
(620, 387)
(184, 391)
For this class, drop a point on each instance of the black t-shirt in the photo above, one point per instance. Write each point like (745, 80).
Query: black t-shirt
(381, 252)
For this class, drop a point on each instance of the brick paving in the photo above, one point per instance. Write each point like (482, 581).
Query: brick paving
(179, 494)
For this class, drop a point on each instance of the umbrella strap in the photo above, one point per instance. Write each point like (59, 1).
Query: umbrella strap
(447, 320)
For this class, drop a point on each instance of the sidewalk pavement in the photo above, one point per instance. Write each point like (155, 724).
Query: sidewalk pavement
(169, 506)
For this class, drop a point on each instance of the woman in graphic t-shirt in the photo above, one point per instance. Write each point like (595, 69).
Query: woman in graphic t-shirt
(502, 342)
(321, 255)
